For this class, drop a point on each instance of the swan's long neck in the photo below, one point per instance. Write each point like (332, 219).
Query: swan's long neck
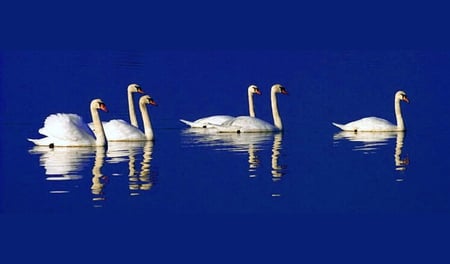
(148, 130)
(251, 108)
(398, 115)
(100, 138)
(133, 119)
(276, 115)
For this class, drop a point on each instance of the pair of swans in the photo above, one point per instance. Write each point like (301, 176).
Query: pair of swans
(375, 124)
(68, 130)
(245, 124)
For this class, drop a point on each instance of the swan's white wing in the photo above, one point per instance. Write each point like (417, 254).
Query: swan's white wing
(65, 130)
(368, 124)
(206, 122)
(120, 130)
(246, 124)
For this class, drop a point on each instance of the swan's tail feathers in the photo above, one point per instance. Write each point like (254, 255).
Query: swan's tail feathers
(339, 125)
(189, 123)
(39, 142)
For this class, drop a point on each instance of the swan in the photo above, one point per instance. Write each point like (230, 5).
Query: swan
(206, 122)
(252, 124)
(68, 130)
(120, 130)
(375, 124)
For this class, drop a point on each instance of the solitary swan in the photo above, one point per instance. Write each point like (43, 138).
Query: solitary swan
(375, 124)
(69, 130)
(119, 130)
(252, 124)
(206, 122)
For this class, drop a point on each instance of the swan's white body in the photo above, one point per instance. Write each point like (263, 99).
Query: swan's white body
(68, 130)
(211, 121)
(120, 130)
(375, 124)
(246, 124)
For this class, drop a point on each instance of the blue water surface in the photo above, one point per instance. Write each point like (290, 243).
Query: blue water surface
(307, 170)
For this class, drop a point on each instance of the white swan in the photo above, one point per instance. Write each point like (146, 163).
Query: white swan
(247, 124)
(375, 124)
(120, 130)
(69, 130)
(206, 122)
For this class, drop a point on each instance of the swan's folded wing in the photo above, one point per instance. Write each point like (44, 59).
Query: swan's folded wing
(206, 122)
(67, 127)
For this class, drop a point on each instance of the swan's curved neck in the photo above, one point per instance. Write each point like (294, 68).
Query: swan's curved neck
(148, 130)
(133, 119)
(398, 115)
(276, 115)
(251, 108)
(100, 138)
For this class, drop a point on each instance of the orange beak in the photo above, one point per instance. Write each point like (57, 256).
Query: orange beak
(103, 107)
(152, 102)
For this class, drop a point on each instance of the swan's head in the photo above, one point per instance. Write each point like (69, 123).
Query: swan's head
(401, 95)
(98, 104)
(253, 89)
(135, 88)
(278, 88)
(146, 99)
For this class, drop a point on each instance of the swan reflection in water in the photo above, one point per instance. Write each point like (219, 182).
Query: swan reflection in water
(63, 164)
(372, 141)
(139, 179)
(68, 164)
(250, 143)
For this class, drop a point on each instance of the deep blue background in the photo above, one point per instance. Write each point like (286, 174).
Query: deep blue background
(334, 28)
(323, 179)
